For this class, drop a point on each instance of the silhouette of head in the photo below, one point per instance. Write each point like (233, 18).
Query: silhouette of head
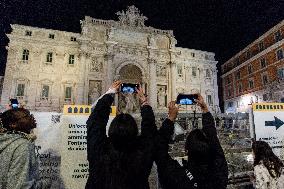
(198, 149)
(123, 132)
(18, 120)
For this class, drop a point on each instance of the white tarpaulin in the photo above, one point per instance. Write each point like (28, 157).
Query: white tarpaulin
(48, 147)
(61, 147)
(74, 166)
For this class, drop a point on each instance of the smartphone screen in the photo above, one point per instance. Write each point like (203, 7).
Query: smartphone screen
(186, 99)
(128, 88)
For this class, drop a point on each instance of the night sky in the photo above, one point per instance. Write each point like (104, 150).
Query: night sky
(221, 26)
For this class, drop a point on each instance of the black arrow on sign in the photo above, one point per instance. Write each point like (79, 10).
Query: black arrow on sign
(277, 123)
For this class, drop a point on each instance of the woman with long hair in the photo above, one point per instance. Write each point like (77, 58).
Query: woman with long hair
(268, 168)
(123, 159)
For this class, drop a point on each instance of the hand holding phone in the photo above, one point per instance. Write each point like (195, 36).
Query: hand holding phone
(173, 111)
(200, 102)
(116, 85)
(141, 95)
(187, 99)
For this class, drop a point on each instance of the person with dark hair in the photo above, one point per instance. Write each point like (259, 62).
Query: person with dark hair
(123, 160)
(268, 168)
(206, 167)
(18, 165)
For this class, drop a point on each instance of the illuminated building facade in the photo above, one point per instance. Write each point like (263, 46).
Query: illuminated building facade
(256, 73)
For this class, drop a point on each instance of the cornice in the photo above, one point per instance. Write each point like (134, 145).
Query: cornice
(116, 24)
(194, 51)
(18, 26)
(42, 41)
(195, 60)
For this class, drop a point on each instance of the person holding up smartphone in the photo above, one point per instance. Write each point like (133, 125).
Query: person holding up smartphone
(206, 167)
(123, 160)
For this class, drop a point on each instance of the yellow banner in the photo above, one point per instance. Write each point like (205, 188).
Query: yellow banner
(83, 110)
(268, 107)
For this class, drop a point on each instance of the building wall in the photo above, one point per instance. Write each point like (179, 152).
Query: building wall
(252, 56)
(36, 71)
(105, 50)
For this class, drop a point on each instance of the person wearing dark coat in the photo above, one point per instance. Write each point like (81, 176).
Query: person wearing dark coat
(123, 160)
(206, 167)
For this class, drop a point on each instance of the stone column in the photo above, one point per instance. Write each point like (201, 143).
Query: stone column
(201, 82)
(173, 80)
(109, 71)
(108, 58)
(82, 85)
(215, 90)
(152, 83)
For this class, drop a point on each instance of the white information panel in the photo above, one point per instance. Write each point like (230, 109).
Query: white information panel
(48, 147)
(74, 164)
(269, 125)
(61, 146)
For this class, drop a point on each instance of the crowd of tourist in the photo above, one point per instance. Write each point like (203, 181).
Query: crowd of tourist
(123, 159)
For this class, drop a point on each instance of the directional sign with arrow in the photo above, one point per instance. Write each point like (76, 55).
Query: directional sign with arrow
(268, 125)
(277, 123)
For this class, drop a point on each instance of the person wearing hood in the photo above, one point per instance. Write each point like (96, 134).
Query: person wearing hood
(206, 167)
(18, 163)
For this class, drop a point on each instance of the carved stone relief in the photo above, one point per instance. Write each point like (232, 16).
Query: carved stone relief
(96, 64)
(134, 38)
(95, 90)
(98, 49)
(98, 36)
(131, 17)
(151, 41)
(129, 103)
(173, 42)
(161, 70)
(161, 96)
(162, 42)
(180, 73)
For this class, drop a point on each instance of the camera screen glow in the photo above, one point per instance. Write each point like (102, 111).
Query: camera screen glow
(128, 89)
(15, 106)
(186, 101)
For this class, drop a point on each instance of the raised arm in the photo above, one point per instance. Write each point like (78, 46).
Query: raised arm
(209, 129)
(96, 124)
(167, 130)
(171, 173)
(148, 125)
